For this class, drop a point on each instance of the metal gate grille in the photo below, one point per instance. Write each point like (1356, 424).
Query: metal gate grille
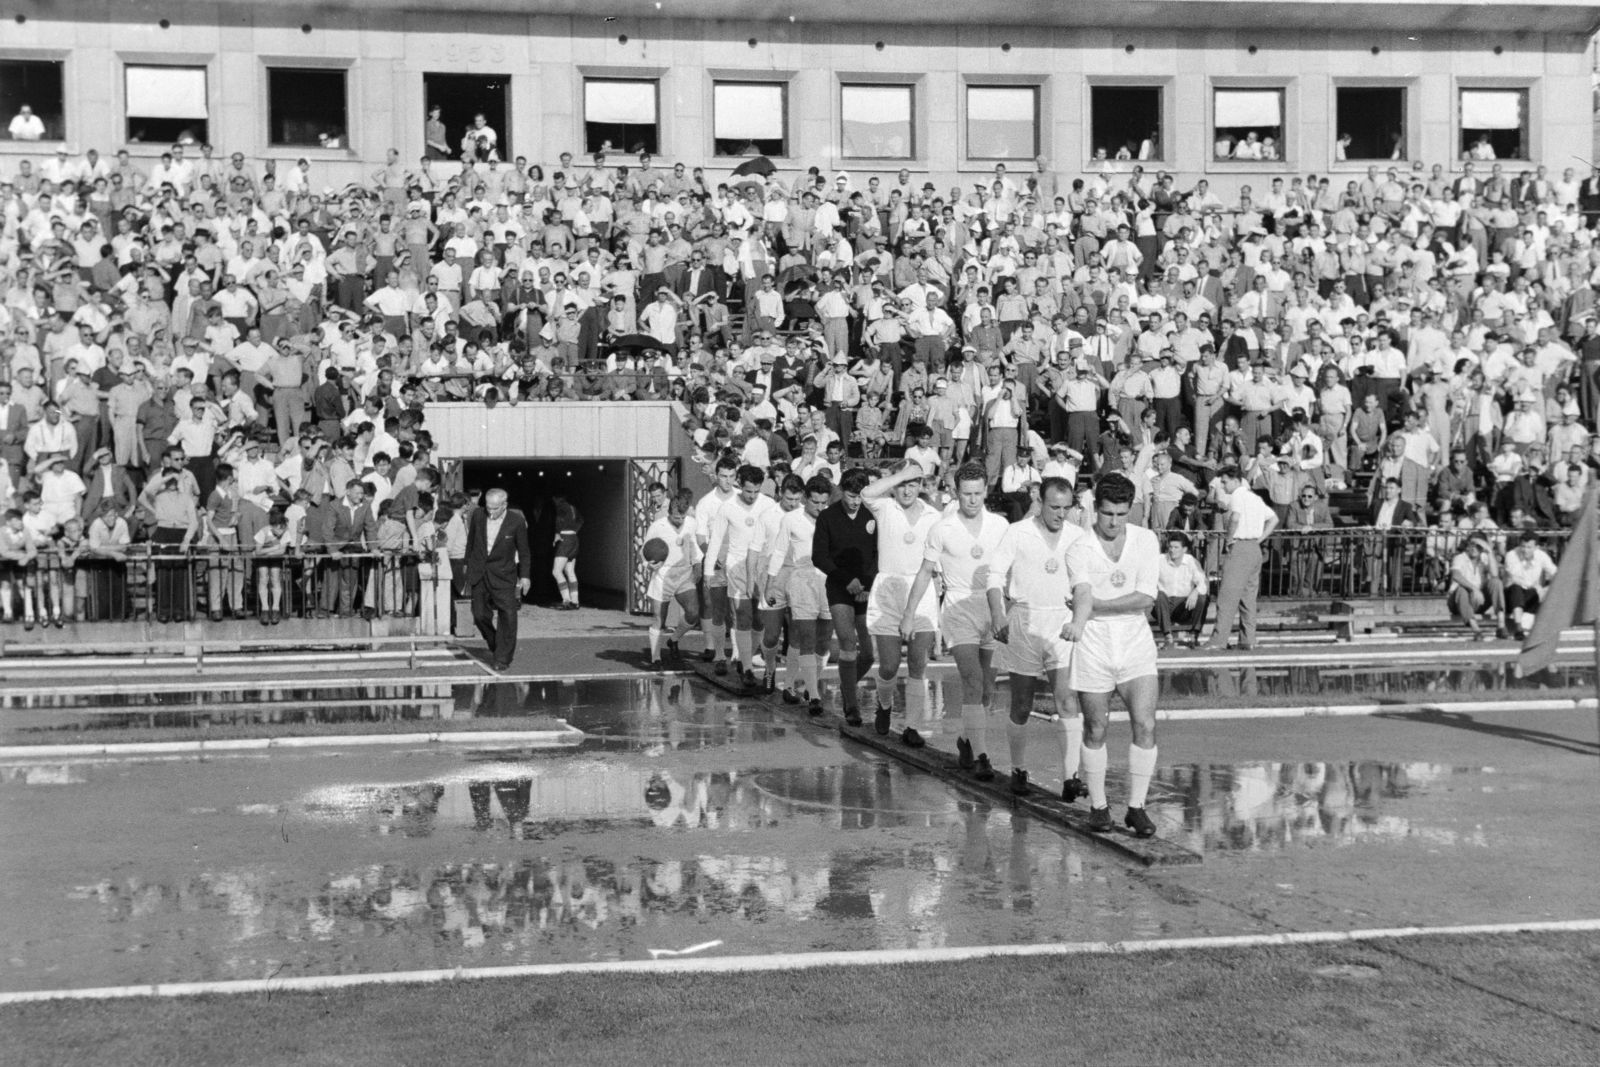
(641, 473)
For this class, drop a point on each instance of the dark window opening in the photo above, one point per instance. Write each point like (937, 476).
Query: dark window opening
(1125, 122)
(36, 85)
(1371, 124)
(307, 107)
(461, 98)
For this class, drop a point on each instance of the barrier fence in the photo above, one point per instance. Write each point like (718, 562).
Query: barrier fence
(169, 583)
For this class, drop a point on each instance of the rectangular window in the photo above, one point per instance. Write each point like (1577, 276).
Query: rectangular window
(750, 118)
(1248, 124)
(1371, 124)
(31, 100)
(620, 116)
(306, 107)
(1002, 122)
(166, 104)
(1494, 124)
(1125, 121)
(876, 122)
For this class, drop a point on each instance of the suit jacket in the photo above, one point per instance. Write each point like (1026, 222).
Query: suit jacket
(352, 532)
(122, 493)
(15, 430)
(1403, 513)
(709, 281)
(505, 561)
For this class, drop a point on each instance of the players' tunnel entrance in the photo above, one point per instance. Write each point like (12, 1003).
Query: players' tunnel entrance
(612, 503)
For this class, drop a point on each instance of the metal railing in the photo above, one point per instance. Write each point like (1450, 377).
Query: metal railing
(168, 583)
(1357, 562)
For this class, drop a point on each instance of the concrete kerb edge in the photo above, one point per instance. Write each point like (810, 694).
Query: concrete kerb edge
(791, 961)
(532, 738)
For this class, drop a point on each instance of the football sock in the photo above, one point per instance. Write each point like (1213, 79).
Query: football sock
(707, 632)
(916, 702)
(1017, 741)
(1094, 774)
(1071, 744)
(847, 679)
(741, 647)
(810, 669)
(1141, 768)
(974, 720)
(655, 643)
(885, 690)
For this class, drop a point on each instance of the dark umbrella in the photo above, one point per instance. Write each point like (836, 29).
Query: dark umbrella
(635, 340)
(759, 165)
(750, 187)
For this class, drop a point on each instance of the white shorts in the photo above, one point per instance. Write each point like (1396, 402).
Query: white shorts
(801, 590)
(741, 579)
(1113, 651)
(967, 622)
(1034, 646)
(886, 606)
(665, 584)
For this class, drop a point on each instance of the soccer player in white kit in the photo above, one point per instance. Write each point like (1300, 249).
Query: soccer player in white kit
(769, 551)
(796, 585)
(714, 591)
(732, 548)
(903, 524)
(960, 547)
(673, 578)
(1031, 565)
(1114, 575)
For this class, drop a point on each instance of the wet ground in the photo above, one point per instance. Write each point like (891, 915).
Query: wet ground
(593, 703)
(688, 818)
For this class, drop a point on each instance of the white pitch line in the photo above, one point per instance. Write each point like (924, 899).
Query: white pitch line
(532, 738)
(1332, 711)
(205, 683)
(789, 961)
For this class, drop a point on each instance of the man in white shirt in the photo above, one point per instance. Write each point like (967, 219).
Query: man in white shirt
(731, 547)
(26, 126)
(1030, 567)
(794, 583)
(1115, 568)
(1529, 570)
(903, 520)
(1250, 522)
(960, 547)
(1181, 591)
(714, 605)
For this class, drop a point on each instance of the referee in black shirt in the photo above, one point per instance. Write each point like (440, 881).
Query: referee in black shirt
(845, 548)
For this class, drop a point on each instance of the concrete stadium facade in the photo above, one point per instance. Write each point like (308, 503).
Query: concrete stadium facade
(1186, 60)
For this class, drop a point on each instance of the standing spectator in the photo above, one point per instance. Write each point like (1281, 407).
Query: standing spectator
(1249, 523)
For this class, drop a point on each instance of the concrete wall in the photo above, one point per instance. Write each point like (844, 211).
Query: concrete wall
(551, 431)
(547, 57)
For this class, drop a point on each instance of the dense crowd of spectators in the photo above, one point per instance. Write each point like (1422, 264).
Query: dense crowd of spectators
(221, 352)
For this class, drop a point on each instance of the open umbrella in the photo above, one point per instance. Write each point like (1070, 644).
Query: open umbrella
(750, 187)
(757, 165)
(635, 340)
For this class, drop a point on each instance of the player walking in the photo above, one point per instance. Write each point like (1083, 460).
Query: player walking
(903, 524)
(674, 577)
(961, 546)
(845, 549)
(1114, 574)
(769, 550)
(795, 584)
(714, 590)
(1031, 564)
(732, 546)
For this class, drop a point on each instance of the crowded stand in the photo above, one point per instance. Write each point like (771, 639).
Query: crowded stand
(213, 371)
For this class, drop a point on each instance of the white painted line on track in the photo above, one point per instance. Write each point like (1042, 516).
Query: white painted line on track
(204, 683)
(1331, 711)
(790, 961)
(530, 738)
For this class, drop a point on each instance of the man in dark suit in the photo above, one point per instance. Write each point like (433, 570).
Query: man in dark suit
(499, 574)
(351, 528)
(106, 482)
(1387, 552)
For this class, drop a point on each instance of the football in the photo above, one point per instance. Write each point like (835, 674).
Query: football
(655, 550)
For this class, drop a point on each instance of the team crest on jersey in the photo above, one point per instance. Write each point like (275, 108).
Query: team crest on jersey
(977, 551)
(872, 526)
(1051, 566)
(751, 521)
(911, 537)
(1118, 578)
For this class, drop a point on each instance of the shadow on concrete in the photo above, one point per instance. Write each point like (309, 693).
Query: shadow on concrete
(1462, 721)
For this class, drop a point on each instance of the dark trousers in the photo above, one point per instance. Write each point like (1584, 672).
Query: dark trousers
(842, 421)
(1169, 414)
(494, 610)
(1083, 435)
(204, 469)
(172, 576)
(1171, 610)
